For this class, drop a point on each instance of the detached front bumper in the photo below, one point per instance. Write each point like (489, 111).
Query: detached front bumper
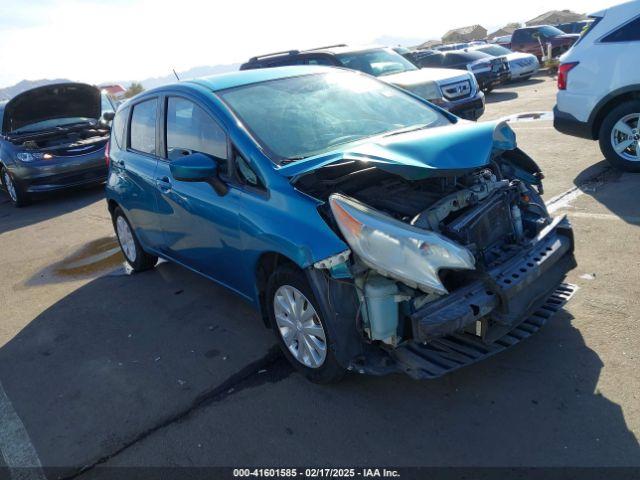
(507, 294)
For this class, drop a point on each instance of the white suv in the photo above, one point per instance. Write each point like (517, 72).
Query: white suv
(599, 85)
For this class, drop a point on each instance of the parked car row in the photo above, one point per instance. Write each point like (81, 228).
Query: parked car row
(455, 91)
(488, 70)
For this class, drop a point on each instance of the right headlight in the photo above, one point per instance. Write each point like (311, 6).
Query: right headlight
(29, 157)
(428, 91)
(395, 249)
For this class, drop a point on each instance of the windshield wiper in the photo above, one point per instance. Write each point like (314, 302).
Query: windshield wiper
(411, 128)
(285, 161)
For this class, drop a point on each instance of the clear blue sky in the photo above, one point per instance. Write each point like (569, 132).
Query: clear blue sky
(99, 40)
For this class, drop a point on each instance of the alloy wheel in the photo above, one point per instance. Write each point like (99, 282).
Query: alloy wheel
(11, 188)
(625, 137)
(300, 326)
(125, 236)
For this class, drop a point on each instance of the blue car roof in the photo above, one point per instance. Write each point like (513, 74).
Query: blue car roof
(247, 77)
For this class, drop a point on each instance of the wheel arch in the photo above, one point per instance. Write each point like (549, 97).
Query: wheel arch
(267, 263)
(112, 205)
(611, 101)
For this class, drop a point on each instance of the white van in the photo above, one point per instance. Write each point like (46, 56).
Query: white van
(599, 85)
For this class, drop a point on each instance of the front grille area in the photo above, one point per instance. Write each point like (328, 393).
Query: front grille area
(485, 225)
(457, 90)
(499, 65)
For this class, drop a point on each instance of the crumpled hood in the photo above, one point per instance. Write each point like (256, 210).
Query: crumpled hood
(419, 154)
(61, 100)
(424, 75)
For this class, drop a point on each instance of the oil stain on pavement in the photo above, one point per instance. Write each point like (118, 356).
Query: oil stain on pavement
(93, 259)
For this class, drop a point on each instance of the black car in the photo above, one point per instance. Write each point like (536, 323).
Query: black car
(452, 90)
(53, 137)
(489, 71)
(574, 27)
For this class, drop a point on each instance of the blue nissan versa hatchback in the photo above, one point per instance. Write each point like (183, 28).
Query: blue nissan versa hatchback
(373, 231)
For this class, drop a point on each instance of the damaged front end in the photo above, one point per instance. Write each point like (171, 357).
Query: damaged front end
(444, 268)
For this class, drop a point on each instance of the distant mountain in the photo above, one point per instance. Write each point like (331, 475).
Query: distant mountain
(194, 72)
(10, 92)
(202, 71)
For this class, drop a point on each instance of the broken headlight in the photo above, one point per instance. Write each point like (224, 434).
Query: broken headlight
(395, 249)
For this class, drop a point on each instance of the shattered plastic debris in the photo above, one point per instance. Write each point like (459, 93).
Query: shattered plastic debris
(588, 276)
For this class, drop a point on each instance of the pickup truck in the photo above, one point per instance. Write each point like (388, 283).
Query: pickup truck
(529, 39)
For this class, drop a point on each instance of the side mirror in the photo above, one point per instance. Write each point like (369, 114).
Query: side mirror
(108, 116)
(195, 167)
(198, 167)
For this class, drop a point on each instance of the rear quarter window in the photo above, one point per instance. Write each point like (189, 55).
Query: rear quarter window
(119, 122)
(630, 32)
(143, 127)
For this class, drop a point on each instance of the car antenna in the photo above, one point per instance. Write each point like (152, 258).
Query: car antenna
(174, 72)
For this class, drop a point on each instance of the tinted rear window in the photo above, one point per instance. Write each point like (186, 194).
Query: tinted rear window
(626, 33)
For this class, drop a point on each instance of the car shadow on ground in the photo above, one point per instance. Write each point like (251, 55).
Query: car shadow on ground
(127, 356)
(46, 206)
(612, 188)
(497, 96)
(122, 354)
(534, 80)
(536, 405)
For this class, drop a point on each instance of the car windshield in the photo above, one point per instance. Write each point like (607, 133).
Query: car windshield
(297, 117)
(376, 62)
(495, 50)
(470, 56)
(548, 31)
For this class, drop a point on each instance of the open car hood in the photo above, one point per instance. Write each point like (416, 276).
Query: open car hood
(422, 153)
(61, 100)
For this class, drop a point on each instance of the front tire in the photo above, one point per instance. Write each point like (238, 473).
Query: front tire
(18, 197)
(300, 327)
(136, 257)
(619, 136)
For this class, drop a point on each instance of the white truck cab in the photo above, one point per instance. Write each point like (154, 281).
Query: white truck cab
(599, 85)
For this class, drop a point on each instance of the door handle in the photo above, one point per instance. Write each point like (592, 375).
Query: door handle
(164, 184)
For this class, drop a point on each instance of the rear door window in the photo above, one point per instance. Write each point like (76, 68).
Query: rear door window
(629, 32)
(143, 127)
(191, 129)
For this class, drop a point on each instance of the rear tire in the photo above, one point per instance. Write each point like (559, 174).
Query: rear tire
(136, 257)
(619, 136)
(298, 324)
(19, 198)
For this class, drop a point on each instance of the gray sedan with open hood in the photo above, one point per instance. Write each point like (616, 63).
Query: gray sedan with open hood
(52, 137)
